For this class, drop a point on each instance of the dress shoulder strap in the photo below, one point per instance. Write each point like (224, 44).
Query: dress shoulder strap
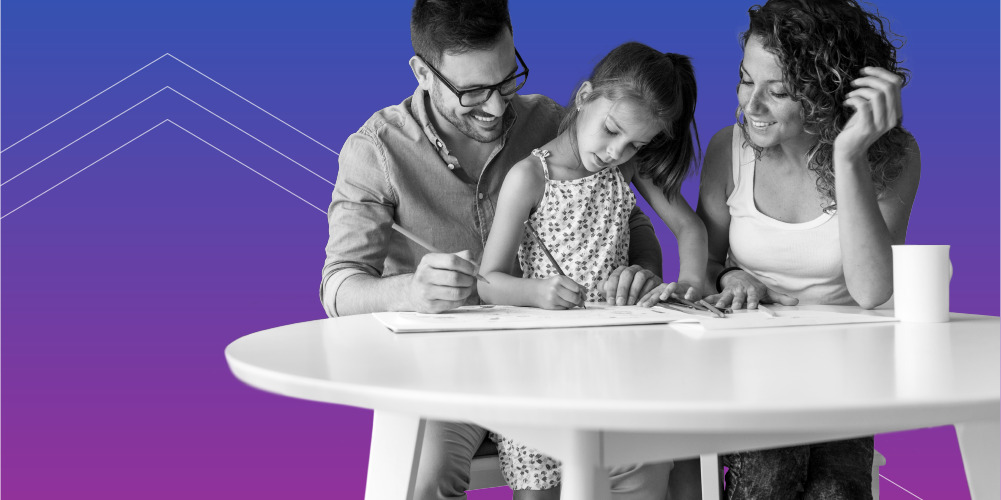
(542, 154)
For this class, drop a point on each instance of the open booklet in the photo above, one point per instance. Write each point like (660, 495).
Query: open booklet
(489, 317)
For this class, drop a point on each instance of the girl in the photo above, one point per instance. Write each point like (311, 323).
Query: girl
(638, 104)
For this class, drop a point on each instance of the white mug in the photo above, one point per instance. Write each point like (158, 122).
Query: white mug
(921, 275)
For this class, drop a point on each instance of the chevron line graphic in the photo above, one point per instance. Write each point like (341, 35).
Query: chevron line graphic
(168, 54)
(172, 122)
(148, 98)
(130, 141)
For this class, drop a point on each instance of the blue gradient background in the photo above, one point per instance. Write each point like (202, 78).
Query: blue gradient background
(122, 286)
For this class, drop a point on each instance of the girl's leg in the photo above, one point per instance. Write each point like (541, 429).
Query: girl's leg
(775, 474)
(840, 470)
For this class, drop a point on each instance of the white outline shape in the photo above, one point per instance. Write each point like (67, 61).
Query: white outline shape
(189, 67)
(191, 101)
(248, 167)
(82, 169)
(901, 487)
(85, 102)
(84, 135)
(146, 132)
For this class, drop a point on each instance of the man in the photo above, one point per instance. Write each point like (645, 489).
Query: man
(434, 165)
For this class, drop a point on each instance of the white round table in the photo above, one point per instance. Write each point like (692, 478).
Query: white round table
(595, 397)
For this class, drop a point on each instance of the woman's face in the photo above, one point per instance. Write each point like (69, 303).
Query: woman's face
(771, 117)
(610, 133)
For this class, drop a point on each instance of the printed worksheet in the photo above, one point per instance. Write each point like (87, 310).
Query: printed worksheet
(494, 317)
(491, 317)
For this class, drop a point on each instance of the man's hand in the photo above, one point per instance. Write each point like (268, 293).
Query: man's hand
(442, 281)
(625, 285)
(663, 292)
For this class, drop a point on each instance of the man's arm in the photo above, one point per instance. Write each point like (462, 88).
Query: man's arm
(644, 247)
(360, 218)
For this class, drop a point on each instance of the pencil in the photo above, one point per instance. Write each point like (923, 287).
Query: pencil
(429, 247)
(552, 260)
(770, 313)
(717, 312)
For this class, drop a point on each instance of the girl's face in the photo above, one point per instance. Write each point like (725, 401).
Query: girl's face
(771, 117)
(609, 132)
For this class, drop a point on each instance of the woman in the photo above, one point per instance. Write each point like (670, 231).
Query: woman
(803, 198)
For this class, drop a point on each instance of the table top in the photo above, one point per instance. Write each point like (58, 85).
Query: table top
(654, 377)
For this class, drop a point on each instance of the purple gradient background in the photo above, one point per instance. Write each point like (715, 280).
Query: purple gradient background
(122, 286)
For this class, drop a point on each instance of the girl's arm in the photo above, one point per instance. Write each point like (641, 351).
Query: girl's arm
(689, 231)
(867, 226)
(521, 192)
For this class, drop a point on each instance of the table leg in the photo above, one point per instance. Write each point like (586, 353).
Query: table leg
(392, 460)
(584, 476)
(980, 444)
(709, 465)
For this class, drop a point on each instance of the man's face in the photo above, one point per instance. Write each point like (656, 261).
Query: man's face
(477, 68)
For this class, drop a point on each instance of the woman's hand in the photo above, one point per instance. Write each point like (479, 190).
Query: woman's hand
(876, 101)
(740, 289)
(557, 292)
(663, 292)
(625, 285)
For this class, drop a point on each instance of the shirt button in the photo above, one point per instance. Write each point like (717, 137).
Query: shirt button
(479, 195)
(451, 167)
(437, 143)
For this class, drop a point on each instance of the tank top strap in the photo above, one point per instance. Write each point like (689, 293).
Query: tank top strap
(542, 154)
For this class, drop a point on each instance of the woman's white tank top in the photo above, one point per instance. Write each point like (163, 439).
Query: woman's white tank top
(802, 260)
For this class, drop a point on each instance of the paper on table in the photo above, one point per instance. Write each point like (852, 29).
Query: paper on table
(785, 316)
(523, 318)
(600, 314)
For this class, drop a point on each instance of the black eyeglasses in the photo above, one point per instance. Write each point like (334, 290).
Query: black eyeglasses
(479, 95)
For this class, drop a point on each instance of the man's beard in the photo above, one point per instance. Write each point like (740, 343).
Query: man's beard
(465, 124)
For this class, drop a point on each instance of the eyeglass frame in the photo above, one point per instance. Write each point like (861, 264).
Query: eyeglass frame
(491, 88)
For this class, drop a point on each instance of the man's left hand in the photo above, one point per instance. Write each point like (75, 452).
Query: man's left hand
(626, 284)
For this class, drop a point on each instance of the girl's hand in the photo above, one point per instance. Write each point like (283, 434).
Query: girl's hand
(876, 101)
(664, 291)
(557, 292)
(740, 289)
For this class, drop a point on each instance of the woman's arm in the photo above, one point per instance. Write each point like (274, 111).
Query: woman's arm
(521, 192)
(867, 226)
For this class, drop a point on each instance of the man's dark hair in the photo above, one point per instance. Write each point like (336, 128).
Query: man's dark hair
(456, 26)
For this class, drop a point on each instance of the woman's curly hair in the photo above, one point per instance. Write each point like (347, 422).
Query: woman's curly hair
(822, 45)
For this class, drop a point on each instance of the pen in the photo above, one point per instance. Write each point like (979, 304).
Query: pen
(549, 256)
(768, 312)
(416, 239)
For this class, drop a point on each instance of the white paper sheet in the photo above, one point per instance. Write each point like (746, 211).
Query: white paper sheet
(598, 314)
(522, 318)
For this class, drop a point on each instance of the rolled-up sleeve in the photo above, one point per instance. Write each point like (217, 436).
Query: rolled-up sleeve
(359, 218)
